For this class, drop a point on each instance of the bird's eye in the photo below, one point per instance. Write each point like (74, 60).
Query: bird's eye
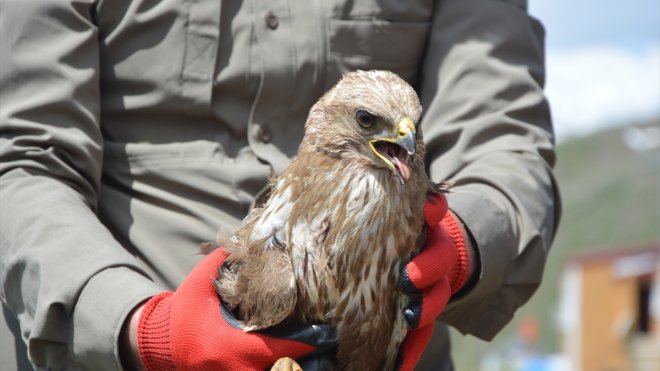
(365, 119)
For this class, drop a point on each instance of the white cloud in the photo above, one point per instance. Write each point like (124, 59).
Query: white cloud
(593, 87)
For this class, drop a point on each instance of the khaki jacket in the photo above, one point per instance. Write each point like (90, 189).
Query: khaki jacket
(131, 131)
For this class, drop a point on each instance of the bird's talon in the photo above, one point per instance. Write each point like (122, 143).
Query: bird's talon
(286, 364)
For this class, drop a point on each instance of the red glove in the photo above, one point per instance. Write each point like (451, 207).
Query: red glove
(190, 330)
(431, 277)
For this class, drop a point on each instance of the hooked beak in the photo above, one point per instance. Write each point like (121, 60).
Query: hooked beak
(405, 131)
(397, 149)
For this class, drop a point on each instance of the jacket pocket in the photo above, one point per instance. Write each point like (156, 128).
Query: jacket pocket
(202, 35)
(158, 53)
(377, 44)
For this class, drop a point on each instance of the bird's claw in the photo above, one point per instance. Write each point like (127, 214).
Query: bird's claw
(286, 364)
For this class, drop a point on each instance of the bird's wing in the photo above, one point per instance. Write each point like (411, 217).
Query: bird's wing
(259, 281)
(272, 290)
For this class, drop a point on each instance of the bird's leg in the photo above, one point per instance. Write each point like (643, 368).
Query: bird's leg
(286, 364)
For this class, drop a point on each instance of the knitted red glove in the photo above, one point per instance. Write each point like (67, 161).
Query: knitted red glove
(189, 330)
(431, 277)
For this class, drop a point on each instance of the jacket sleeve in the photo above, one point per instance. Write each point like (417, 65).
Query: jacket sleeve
(487, 127)
(61, 272)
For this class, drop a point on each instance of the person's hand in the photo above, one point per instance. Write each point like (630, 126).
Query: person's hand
(431, 277)
(190, 330)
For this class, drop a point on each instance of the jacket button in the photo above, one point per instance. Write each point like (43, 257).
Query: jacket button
(272, 21)
(265, 134)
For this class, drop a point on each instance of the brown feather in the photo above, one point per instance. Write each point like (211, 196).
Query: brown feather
(328, 244)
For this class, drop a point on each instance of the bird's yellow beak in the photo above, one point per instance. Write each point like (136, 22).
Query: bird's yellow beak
(404, 137)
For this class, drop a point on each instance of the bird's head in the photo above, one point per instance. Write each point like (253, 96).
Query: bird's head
(369, 117)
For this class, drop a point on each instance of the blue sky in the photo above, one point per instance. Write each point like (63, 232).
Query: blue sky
(603, 62)
(633, 25)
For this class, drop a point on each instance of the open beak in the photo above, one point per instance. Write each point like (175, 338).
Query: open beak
(397, 150)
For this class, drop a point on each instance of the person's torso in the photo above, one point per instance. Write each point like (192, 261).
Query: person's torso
(203, 101)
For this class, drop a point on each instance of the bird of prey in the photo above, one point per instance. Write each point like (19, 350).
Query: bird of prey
(328, 244)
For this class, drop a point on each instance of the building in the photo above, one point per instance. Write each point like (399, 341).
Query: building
(610, 310)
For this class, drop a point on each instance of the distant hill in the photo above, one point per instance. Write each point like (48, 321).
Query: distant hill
(611, 193)
(611, 198)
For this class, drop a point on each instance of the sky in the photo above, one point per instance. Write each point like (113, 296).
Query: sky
(602, 62)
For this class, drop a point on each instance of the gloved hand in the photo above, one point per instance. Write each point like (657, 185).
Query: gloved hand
(431, 277)
(190, 330)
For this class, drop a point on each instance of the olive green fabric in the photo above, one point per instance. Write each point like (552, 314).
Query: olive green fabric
(131, 131)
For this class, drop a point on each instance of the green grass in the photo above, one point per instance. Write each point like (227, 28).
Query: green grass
(611, 199)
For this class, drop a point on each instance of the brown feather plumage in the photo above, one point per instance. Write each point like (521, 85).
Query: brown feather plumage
(328, 244)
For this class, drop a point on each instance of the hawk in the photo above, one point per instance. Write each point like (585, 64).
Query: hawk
(339, 223)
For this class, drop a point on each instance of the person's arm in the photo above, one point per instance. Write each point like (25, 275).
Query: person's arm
(61, 271)
(487, 127)
(129, 350)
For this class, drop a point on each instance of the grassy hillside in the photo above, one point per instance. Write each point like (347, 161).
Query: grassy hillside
(611, 199)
